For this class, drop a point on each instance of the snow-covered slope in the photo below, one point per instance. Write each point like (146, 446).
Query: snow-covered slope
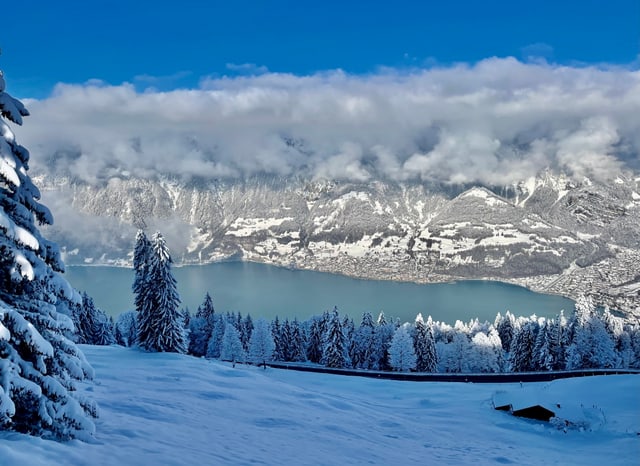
(168, 409)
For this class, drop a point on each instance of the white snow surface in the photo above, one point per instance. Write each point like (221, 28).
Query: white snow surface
(489, 198)
(169, 409)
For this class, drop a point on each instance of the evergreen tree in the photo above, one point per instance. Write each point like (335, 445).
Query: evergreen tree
(382, 336)
(246, 331)
(98, 328)
(279, 353)
(563, 341)
(363, 342)
(424, 345)
(201, 327)
(232, 349)
(496, 344)
(297, 343)
(522, 346)
(506, 327)
(634, 336)
(592, 346)
(582, 312)
(334, 344)
(624, 350)
(349, 330)
(548, 345)
(261, 345)
(578, 333)
(483, 355)
(186, 317)
(285, 340)
(454, 356)
(214, 346)
(160, 326)
(541, 346)
(206, 310)
(198, 336)
(402, 356)
(126, 326)
(142, 253)
(615, 327)
(314, 344)
(39, 364)
(82, 322)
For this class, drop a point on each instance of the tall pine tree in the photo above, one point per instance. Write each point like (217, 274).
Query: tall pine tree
(39, 364)
(142, 253)
(314, 343)
(334, 351)
(424, 345)
(402, 356)
(261, 345)
(201, 327)
(160, 325)
(232, 349)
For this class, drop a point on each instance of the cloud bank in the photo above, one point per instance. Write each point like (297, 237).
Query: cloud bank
(495, 122)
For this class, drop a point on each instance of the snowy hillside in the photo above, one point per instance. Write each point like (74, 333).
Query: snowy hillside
(169, 409)
(549, 233)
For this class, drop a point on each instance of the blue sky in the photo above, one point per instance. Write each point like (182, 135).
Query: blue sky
(167, 45)
(456, 92)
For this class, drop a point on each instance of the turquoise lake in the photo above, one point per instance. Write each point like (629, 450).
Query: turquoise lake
(266, 291)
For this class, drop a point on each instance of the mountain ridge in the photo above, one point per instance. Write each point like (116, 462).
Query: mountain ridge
(549, 233)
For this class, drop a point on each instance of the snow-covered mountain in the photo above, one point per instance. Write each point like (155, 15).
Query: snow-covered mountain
(549, 232)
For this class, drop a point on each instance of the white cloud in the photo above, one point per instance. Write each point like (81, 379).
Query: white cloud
(494, 122)
(247, 68)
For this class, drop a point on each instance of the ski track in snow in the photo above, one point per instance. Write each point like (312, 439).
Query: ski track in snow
(169, 409)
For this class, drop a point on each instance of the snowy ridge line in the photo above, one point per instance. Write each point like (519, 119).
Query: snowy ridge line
(464, 378)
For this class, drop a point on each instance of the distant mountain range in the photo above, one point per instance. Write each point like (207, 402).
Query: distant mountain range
(549, 232)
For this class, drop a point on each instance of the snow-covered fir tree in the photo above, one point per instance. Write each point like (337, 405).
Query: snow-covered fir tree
(232, 349)
(201, 327)
(424, 345)
(142, 253)
(592, 347)
(506, 327)
(349, 330)
(214, 346)
(314, 343)
(160, 324)
(39, 364)
(206, 310)
(261, 345)
(454, 356)
(382, 336)
(634, 336)
(279, 354)
(402, 356)
(541, 346)
(555, 357)
(284, 340)
(484, 354)
(97, 328)
(186, 317)
(522, 356)
(126, 328)
(622, 341)
(246, 330)
(334, 344)
(297, 344)
(363, 341)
